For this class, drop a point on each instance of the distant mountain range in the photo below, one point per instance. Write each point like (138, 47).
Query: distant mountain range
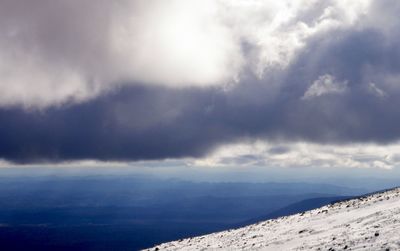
(130, 213)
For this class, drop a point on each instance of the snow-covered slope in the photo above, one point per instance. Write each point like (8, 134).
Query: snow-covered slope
(367, 223)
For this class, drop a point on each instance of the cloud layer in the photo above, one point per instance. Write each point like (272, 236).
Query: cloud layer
(138, 80)
(301, 155)
(55, 52)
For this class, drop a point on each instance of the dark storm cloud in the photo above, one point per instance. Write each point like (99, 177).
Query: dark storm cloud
(131, 124)
(365, 59)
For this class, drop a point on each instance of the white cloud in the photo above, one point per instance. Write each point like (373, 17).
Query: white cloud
(325, 84)
(375, 90)
(56, 51)
(67, 164)
(259, 154)
(177, 43)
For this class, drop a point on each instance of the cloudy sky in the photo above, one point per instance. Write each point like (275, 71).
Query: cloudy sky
(206, 83)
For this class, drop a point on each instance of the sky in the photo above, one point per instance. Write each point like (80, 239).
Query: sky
(212, 84)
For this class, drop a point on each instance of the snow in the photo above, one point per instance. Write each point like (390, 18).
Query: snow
(366, 223)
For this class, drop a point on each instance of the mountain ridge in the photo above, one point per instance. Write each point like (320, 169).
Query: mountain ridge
(297, 207)
(367, 222)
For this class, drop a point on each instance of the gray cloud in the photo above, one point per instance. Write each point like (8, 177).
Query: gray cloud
(134, 120)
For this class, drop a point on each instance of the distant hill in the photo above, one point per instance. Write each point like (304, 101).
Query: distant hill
(301, 206)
